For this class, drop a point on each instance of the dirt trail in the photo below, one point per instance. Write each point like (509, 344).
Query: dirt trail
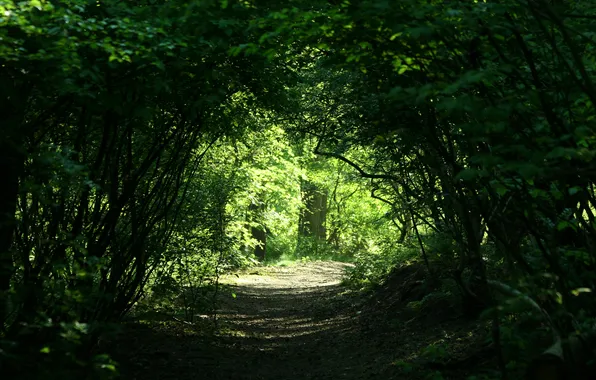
(285, 322)
(278, 323)
(293, 322)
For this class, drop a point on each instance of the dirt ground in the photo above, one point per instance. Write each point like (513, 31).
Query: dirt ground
(298, 322)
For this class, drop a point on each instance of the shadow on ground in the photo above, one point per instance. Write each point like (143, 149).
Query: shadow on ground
(278, 323)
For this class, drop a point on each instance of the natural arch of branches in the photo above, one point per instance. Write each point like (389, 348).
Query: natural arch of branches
(147, 145)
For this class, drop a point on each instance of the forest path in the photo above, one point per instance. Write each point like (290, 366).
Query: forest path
(293, 322)
(287, 323)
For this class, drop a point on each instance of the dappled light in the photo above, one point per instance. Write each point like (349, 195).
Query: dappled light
(340, 189)
(286, 320)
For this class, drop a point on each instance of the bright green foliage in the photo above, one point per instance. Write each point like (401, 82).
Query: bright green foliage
(480, 117)
(151, 146)
(270, 177)
(111, 107)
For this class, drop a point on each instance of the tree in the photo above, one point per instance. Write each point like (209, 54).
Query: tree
(478, 118)
(110, 113)
(470, 123)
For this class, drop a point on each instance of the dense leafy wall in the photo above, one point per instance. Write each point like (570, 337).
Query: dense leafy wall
(143, 141)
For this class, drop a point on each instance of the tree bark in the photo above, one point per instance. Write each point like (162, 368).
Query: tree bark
(258, 233)
(314, 214)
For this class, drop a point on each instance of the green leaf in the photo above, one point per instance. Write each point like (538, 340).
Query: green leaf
(109, 367)
(500, 189)
(563, 225)
(574, 190)
(528, 171)
(36, 4)
(577, 291)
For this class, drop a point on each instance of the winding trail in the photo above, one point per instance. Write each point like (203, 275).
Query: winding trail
(293, 323)
(286, 322)
(274, 323)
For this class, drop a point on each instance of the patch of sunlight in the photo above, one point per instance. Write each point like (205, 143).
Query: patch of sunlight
(438, 341)
(233, 332)
(284, 263)
(260, 278)
(281, 321)
(227, 280)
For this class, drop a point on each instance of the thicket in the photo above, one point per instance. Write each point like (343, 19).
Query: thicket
(147, 148)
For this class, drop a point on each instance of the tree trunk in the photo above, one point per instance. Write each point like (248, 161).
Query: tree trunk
(258, 233)
(314, 214)
(405, 225)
